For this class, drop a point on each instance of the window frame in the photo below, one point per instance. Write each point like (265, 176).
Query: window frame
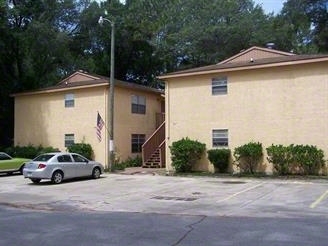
(5, 157)
(79, 158)
(138, 104)
(64, 158)
(220, 86)
(220, 138)
(69, 100)
(137, 140)
(69, 139)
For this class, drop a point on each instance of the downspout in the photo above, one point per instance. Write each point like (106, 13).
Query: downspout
(167, 126)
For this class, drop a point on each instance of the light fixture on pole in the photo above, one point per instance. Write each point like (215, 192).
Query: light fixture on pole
(111, 96)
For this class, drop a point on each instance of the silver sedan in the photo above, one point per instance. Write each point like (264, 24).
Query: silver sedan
(59, 166)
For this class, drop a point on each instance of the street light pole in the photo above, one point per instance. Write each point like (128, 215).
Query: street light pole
(111, 95)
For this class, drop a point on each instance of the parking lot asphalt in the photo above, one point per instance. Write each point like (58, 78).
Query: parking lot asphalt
(150, 193)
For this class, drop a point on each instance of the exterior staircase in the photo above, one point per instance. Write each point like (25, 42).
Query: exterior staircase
(153, 150)
(154, 160)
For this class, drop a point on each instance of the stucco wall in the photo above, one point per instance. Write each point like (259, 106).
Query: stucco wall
(126, 123)
(43, 119)
(282, 105)
(256, 54)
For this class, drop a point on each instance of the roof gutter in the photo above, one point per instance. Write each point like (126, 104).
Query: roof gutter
(45, 91)
(242, 68)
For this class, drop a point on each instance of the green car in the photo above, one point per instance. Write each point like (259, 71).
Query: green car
(11, 165)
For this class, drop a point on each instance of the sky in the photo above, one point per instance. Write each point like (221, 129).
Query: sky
(271, 5)
(268, 5)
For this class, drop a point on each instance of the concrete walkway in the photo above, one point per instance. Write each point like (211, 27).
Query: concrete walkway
(142, 171)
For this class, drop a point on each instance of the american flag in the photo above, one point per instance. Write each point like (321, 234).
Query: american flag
(100, 125)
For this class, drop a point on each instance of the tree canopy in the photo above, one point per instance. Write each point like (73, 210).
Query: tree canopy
(43, 41)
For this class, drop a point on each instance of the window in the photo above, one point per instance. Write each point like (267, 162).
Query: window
(69, 140)
(78, 158)
(137, 140)
(64, 158)
(69, 100)
(44, 157)
(220, 138)
(138, 104)
(219, 86)
(4, 157)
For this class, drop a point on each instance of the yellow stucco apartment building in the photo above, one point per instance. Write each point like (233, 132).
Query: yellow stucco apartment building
(66, 113)
(261, 94)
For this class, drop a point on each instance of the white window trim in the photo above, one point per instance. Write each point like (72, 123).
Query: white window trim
(138, 142)
(220, 138)
(69, 139)
(69, 100)
(220, 86)
(139, 102)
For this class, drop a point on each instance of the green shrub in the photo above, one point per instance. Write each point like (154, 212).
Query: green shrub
(296, 159)
(28, 151)
(82, 149)
(129, 162)
(309, 158)
(134, 162)
(119, 166)
(219, 158)
(11, 151)
(281, 158)
(184, 154)
(48, 150)
(248, 157)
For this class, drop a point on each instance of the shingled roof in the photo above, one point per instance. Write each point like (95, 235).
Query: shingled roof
(81, 80)
(239, 62)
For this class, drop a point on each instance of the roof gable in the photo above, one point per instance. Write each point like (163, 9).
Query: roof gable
(255, 53)
(79, 76)
(84, 80)
(291, 60)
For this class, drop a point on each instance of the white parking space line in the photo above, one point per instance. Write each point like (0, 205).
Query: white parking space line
(240, 192)
(320, 199)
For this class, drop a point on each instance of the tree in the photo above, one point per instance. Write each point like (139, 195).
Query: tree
(318, 13)
(305, 22)
(190, 33)
(34, 49)
(42, 41)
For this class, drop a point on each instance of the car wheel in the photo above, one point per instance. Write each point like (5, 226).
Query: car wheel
(36, 181)
(96, 173)
(21, 169)
(57, 177)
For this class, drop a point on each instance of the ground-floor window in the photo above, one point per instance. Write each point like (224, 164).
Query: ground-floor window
(220, 137)
(69, 140)
(137, 140)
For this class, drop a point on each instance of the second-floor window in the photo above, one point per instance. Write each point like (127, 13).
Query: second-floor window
(219, 86)
(69, 100)
(138, 105)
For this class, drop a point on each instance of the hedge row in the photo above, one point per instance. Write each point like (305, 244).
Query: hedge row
(84, 149)
(296, 159)
(292, 159)
(31, 151)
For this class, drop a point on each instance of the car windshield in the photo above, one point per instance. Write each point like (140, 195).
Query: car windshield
(4, 156)
(45, 157)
